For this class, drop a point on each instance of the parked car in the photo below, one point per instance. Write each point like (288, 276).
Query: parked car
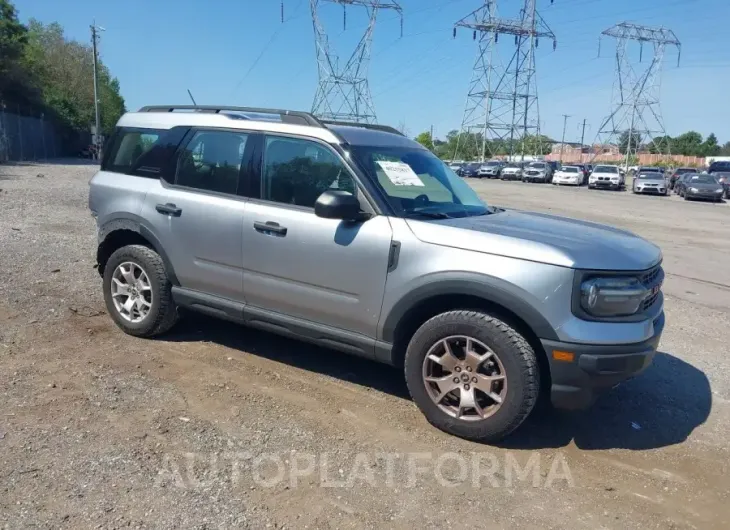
(680, 182)
(649, 182)
(703, 186)
(297, 227)
(537, 172)
(491, 169)
(569, 175)
(677, 172)
(470, 170)
(719, 167)
(512, 171)
(606, 177)
(723, 177)
(456, 166)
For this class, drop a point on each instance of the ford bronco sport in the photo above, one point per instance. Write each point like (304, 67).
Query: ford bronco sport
(358, 239)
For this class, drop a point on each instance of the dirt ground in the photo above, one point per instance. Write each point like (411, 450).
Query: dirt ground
(217, 426)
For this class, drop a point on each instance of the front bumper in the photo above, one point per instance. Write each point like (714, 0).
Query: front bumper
(536, 178)
(567, 180)
(708, 196)
(607, 184)
(659, 190)
(596, 368)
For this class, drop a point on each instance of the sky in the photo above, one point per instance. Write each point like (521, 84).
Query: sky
(238, 52)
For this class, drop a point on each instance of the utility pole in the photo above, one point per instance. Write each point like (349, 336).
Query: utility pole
(562, 142)
(582, 139)
(502, 103)
(94, 42)
(431, 133)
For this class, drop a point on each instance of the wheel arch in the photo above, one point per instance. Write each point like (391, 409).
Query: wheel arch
(411, 311)
(117, 233)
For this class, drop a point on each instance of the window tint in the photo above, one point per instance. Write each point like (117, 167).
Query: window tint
(299, 171)
(212, 161)
(605, 169)
(128, 146)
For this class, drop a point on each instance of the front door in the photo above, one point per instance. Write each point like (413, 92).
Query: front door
(325, 271)
(199, 216)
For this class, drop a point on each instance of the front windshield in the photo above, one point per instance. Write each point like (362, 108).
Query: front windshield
(569, 170)
(650, 175)
(606, 169)
(417, 184)
(650, 170)
(537, 165)
(703, 179)
(493, 163)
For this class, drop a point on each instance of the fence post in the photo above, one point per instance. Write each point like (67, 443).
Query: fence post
(20, 133)
(43, 136)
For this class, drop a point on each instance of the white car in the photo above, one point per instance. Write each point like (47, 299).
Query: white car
(607, 177)
(569, 175)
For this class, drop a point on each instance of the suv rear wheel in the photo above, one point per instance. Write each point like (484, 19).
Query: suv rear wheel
(472, 375)
(138, 293)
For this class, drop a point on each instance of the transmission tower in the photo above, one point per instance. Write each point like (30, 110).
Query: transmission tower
(502, 109)
(343, 92)
(635, 112)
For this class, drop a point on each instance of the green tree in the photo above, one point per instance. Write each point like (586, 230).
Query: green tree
(15, 84)
(623, 142)
(63, 71)
(661, 145)
(425, 140)
(710, 147)
(688, 144)
(725, 149)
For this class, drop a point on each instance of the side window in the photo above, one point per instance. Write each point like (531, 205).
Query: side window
(298, 171)
(128, 147)
(212, 161)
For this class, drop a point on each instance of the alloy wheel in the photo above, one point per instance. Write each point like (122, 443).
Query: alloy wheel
(131, 292)
(464, 378)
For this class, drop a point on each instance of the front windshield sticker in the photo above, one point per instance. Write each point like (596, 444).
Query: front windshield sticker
(400, 173)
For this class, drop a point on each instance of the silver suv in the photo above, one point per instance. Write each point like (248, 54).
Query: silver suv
(356, 238)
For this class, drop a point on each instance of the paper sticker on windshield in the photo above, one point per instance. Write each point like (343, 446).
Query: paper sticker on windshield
(400, 173)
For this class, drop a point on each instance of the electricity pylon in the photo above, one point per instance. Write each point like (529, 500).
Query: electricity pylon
(502, 109)
(343, 92)
(635, 111)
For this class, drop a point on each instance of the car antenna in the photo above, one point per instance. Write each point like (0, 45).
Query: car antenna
(192, 98)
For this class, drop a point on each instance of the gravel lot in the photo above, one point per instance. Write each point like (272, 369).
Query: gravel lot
(208, 427)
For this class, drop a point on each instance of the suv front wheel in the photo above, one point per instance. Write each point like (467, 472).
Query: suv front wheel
(472, 375)
(138, 293)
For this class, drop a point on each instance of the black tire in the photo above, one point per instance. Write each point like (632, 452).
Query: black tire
(163, 313)
(517, 357)
(686, 198)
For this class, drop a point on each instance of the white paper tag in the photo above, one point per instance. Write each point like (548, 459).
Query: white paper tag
(400, 173)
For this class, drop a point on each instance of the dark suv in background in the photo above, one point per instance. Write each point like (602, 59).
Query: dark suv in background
(677, 173)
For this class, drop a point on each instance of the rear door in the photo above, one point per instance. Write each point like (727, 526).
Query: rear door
(325, 271)
(197, 211)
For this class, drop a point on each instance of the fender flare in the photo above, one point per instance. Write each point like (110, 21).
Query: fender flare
(489, 292)
(135, 224)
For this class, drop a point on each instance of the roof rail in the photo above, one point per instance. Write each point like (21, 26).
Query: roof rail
(286, 116)
(373, 126)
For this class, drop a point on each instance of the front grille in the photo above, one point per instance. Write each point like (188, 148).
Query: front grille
(651, 280)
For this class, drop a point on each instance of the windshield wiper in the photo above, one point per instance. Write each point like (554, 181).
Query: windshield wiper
(431, 215)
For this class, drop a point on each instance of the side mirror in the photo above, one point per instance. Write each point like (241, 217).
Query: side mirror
(338, 204)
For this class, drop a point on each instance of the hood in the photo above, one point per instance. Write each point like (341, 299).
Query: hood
(651, 178)
(543, 238)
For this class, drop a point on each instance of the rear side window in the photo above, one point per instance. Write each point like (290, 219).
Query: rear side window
(211, 161)
(127, 148)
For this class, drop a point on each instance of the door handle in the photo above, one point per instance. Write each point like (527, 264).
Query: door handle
(270, 227)
(169, 209)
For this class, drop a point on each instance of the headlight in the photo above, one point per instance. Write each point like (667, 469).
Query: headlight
(719, 190)
(612, 297)
(693, 190)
